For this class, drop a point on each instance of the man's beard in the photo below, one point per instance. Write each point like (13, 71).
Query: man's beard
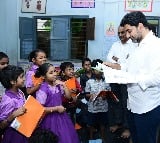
(138, 40)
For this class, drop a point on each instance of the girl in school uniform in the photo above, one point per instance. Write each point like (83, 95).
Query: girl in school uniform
(37, 58)
(50, 96)
(11, 105)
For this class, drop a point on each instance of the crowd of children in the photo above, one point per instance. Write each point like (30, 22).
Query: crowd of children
(64, 106)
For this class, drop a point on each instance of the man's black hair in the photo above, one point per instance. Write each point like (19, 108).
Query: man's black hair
(134, 18)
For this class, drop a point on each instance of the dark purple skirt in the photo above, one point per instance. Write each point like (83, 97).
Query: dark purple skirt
(13, 136)
(62, 126)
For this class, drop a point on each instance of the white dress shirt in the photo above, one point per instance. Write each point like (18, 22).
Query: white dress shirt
(144, 64)
(121, 51)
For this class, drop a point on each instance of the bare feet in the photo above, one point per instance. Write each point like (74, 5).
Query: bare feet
(125, 134)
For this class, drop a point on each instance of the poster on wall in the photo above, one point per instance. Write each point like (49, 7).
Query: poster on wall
(110, 33)
(82, 3)
(34, 6)
(138, 5)
(110, 29)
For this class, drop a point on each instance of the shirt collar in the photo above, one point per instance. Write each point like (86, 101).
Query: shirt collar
(34, 67)
(12, 94)
(129, 41)
(146, 38)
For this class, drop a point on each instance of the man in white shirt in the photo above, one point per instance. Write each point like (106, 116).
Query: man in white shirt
(119, 53)
(121, 49)
(144, 66)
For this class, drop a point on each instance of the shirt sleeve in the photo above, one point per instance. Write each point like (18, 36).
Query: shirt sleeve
(29, 82)
(123, 66)
(147, 80)
(111, 54)
(41, 96)
(7, 106)
(149, 76)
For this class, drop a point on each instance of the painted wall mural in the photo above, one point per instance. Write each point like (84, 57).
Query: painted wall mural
(138, 5)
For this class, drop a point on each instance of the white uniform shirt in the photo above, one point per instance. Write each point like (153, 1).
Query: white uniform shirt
(121, 51)
(144, 64)
(94, 87)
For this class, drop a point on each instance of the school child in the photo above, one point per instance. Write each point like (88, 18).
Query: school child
(97, 105)
(66, 73)
(37, 58)
(87, 74)
(11, 105)
(50, 96)
(4, 61)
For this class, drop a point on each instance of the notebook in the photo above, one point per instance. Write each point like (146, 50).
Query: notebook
(36, 81)
(71, 84)
(26, 123)
(107, 94)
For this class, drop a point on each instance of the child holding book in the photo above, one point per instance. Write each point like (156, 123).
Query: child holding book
(11, 105)
(86, 73)
(37, 58)
(50, 96)
(67, 74)
(97, 106)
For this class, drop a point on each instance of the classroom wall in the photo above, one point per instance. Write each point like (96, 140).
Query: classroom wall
(107, 13)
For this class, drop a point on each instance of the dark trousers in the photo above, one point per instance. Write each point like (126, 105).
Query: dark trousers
(117, 111)
(144, 127)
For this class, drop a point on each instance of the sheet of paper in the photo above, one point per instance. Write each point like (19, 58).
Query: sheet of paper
(117, 76)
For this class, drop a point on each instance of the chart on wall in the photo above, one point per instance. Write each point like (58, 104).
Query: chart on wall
(35, 6)
(83, 3)
(138, 5)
